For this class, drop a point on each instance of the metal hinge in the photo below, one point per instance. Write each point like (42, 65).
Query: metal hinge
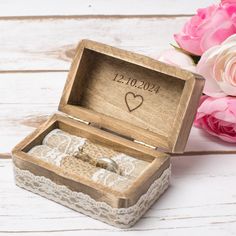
(77, 119)
(98, 126)
(145, 144)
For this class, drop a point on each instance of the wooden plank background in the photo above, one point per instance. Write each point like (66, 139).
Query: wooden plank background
(37, 43)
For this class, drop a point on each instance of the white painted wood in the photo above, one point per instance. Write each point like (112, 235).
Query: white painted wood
(41, 35)
(201, 199)
(34, 96)
(48, 44)
(100, 7)
(200, 140)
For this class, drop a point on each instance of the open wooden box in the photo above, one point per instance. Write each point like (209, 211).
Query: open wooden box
(125, 101)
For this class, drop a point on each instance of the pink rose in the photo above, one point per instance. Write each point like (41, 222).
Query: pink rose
(178, 59)
(230, 6)
(217, 116)
(209, 27)
(218, 66)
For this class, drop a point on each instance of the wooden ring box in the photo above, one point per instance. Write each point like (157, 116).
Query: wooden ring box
(125, 101)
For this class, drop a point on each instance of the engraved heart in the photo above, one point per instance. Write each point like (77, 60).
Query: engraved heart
(133, 101)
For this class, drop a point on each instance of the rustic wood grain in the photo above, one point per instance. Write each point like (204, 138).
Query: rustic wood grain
(36, 95)
(163, 119)
(28, 8)
(158, 162)
(40, 37)
(5, 155)
(51, 46)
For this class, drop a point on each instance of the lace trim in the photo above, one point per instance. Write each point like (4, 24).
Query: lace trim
(71, 144)
(63, 142)
(79, 167)
(119, 217)
(130, 166)
(111, 179)
(45, 153)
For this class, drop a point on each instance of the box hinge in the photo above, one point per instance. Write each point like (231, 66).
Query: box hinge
(145, 144)
(99, 127)
(77, 119)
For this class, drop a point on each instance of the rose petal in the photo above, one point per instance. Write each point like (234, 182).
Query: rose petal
(188, 43)
(205, 68)
(177, 58)
(217, 116)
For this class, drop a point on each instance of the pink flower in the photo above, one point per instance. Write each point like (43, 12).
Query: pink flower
(217, 116)
(230, 6)
(178, 59)
(218, 66)
(209, 27)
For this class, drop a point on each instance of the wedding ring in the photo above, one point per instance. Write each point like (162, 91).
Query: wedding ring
(108, 164)
(103, 162)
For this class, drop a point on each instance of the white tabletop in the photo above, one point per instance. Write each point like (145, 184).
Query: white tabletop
(37, 42)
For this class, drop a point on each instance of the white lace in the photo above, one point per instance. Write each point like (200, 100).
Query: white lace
(119, 217)
(73, 143)
(108, 178)
(45, 153)
(103, 176)
(69, 144)
(128, 164)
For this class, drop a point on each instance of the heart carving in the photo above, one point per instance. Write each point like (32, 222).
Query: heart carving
(133, 101)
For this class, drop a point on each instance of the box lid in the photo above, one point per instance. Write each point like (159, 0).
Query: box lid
(132, 95)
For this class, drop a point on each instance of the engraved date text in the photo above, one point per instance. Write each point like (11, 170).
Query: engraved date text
(140, 84)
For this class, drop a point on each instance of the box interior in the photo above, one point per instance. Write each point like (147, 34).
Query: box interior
(94, 138)
(151, 102)
(158, 161)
